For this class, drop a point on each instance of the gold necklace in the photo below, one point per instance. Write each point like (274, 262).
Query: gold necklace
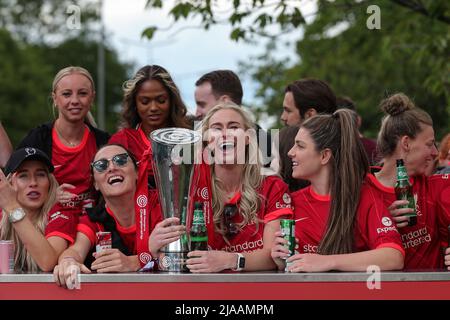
(72, 144)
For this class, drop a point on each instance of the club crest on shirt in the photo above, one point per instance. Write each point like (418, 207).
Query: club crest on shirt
(286, 198)
(386, 221)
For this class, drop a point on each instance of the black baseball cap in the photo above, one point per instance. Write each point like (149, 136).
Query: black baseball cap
(23, 154)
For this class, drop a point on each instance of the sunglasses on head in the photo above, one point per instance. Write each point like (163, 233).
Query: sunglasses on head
(231, 229)
(119, 160)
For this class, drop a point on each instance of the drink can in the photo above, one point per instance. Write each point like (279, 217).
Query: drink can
(288, 229)
(6, 256)
(104, 241)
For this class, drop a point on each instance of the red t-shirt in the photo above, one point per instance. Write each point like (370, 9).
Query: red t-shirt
(276, 204)
(373, 228)
(72, 165)
(421, 241)
(128, 235)
(135, 141)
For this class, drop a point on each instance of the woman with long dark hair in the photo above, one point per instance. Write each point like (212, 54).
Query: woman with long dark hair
(151, 101)
(340, 223)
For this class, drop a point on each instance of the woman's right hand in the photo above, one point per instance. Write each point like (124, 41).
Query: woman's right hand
(62, 195)
(8, 197)
(165, 232)
(66, 273)
(279, 251)
(398, 214)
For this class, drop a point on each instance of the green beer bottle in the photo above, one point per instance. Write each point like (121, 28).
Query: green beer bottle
(403, 191)
(184, 237)
(199, 235)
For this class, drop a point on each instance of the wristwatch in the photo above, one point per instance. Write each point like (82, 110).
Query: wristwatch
(240, 265)
(16, 215)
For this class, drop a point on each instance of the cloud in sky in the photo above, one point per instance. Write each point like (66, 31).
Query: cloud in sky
(186, 54)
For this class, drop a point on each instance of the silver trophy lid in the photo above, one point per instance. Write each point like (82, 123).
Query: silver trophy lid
(174, 136)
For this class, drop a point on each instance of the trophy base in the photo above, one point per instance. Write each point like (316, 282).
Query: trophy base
(173, 262)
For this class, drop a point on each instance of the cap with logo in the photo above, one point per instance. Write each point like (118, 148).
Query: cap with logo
(24, 154)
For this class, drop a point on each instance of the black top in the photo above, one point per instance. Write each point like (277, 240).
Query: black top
(41, 138)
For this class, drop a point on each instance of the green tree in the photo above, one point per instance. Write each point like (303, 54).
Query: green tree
(35, 42)
(409, 53)
(24, 83)
(42, 21)
(82, 51)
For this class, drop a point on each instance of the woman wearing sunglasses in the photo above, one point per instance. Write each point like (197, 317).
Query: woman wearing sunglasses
(26, 196)
(242, 208)
(70, 142)
(116, 177)
(341, 224)
(151, 101)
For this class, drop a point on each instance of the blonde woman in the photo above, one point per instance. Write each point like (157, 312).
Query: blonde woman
(70, 142)
(26, 196)
(241, 206)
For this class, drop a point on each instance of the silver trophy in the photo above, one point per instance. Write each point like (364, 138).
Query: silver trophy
(173, 167)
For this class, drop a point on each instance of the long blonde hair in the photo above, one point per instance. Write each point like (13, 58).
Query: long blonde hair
(252, 179)
(75, 70)
(22, 258)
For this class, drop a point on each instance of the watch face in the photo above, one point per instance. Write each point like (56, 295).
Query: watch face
(17, 215)
(241, 262)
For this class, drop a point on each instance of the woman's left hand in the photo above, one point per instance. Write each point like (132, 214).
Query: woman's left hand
(112, 260)
(309, 262)
(210, 261)
(8, 196)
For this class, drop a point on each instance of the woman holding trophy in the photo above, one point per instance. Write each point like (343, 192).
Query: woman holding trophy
(119, 180)
(241, 207)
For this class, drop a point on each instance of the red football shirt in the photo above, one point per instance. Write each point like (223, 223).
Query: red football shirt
(72, 165)
(128, 235)
(373, 229)
(276, 204)
(421, 241)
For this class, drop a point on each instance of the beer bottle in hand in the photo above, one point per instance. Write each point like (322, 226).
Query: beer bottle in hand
(184, 237)
(403, 191)
(198, 234)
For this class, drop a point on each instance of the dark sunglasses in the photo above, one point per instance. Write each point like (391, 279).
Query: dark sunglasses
(231, 229)
(119, 160)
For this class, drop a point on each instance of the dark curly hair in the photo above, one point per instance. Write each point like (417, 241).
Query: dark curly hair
(130, 116)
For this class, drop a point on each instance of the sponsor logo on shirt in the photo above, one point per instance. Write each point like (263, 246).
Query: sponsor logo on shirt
(57, 215)
(81, 199)
(247, 246)
(286, 198)
(416, 238)
(308, 248)
(287, 202)
(386, 221)
(386, 229)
